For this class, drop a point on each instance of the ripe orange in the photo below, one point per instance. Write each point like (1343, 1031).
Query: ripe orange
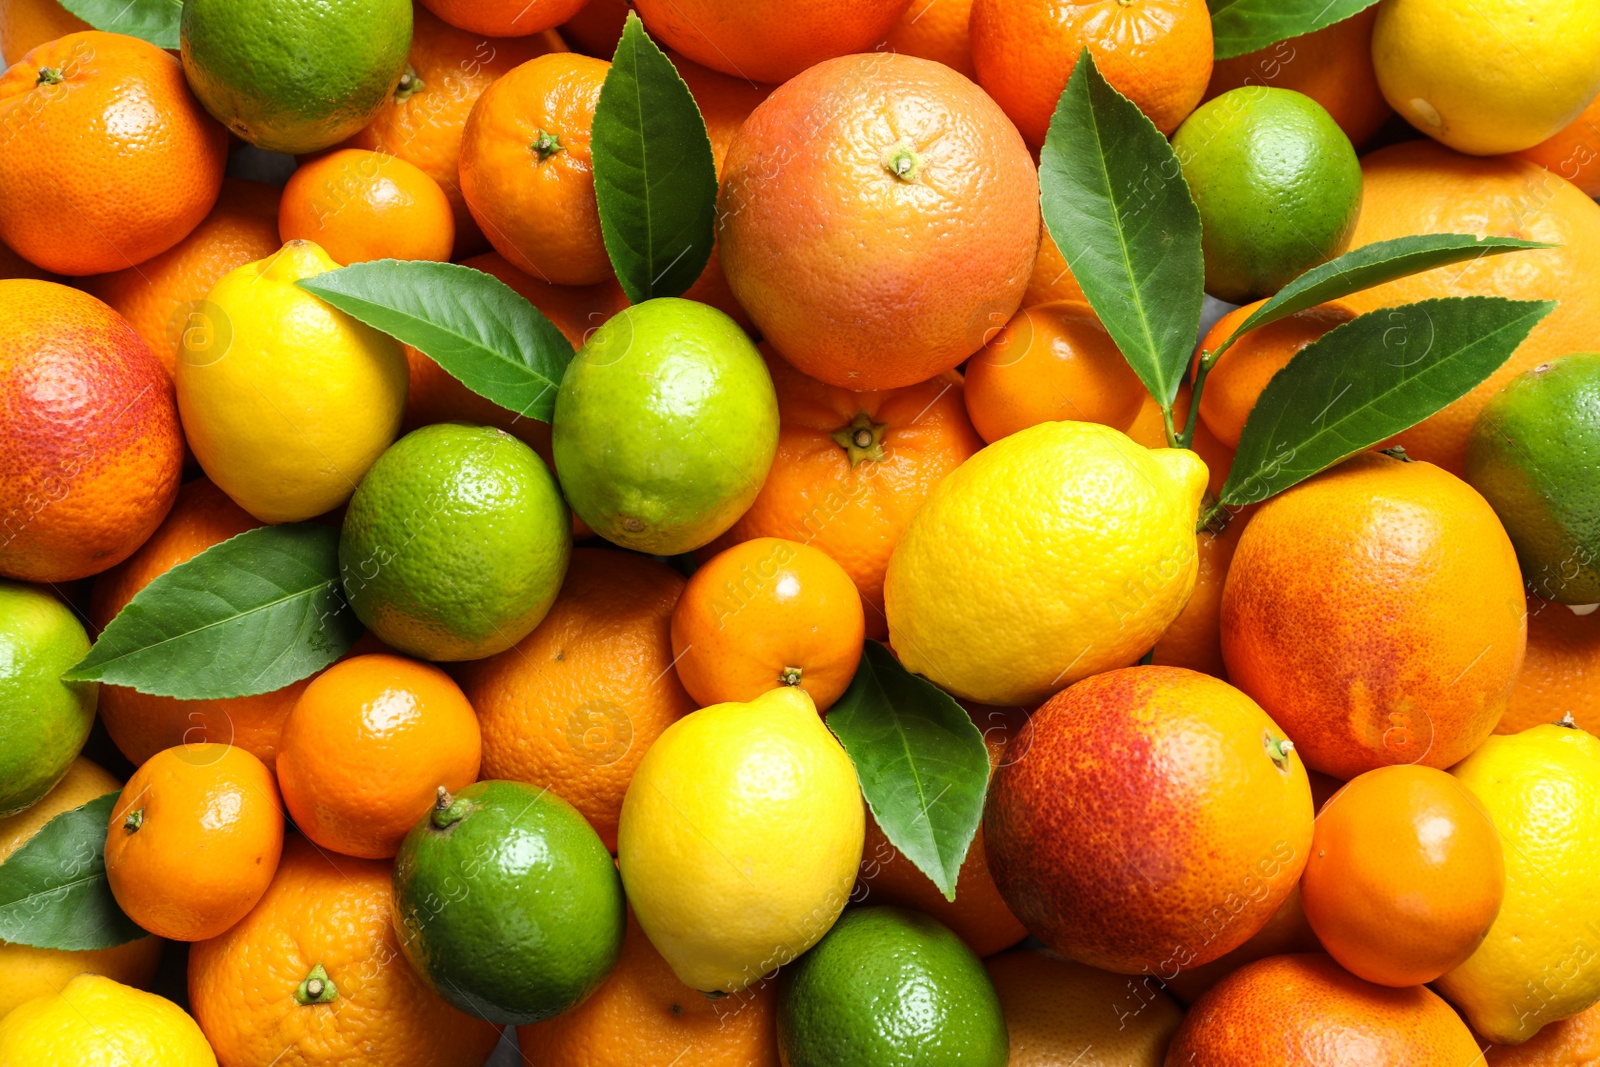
(851, 470)
(1051, 279)
(504, 18)
(14, 266)
(1287, 931)
(575, 704)
(526, 172)
(881, 254)
(1156, 52)
(27, 24)
(1561, 673)
(597, 27)
(105, 157)
(92, 450)
(1571, 1042)
(936, 30)
(1062, 1014)
(1573, 153)
(194, 840)
(360, 205)
(314, 976)
(1376, 612)
(367, 747)
(1194, 640)
(766, 40)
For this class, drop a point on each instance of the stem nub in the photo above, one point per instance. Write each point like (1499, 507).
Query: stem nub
(863, 439)
(48, 76)
(447, 810)
(134, 820)
(316, 988)
(903, 162)
(790, 675)
(1278, 749)
(545, 145)
(409, 85)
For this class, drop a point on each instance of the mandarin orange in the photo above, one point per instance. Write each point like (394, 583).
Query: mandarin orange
(360, 205)
(767, 40)
(1561, 674)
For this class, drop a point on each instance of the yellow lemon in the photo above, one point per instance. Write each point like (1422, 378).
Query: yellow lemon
(95, 1022)
(740, 838)
(1541, 960)
(286, 401)
(1488, 76)
(1055, 553)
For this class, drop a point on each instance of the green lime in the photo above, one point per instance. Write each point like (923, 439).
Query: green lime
(507, 902)
(889, 987)
(455, 543)
(294, 75)
(43, 720)
(1278, 186)
(665, 426)
(1533, 454)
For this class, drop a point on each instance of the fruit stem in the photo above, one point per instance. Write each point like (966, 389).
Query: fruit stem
(409, 85)
(1208, 516)
(48, 76)
(1568, 721)
(862, 439)
(316, 988)
(790, 675)
(1278, 749)
(134, 820)
(545, 145)
(1207, 361)
(903, 162)
(1397, 452)
(447, 811)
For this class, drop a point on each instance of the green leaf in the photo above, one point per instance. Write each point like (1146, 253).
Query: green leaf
(921, 761)
(250, 615)
(155, 21)
(1369, 379)
(1116, 203)
(53, 891)
(1240, 26)
(480, 330)
(654, 176)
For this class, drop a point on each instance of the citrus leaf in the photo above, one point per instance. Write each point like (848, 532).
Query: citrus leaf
(1369, 379)
(53, 891)
(1240, 26)
(155, 21)
(654, 177)
(480, 330)
(251, 615)
(1116, 204)
(921, 761)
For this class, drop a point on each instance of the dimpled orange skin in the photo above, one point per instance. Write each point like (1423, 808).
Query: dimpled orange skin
(577, 702)
(1561, 672)
(1194, 640)
(14, 266)
(768, 40)
(540, 214)
(1572, 1042)
(366, 748)
(334, 911)
(1156, 52)
(112, 164)
(208, 835)
(1212, 832)
(27, 24)
(504, 18)
(1306, 1011)
(92, 449)
(1376, 612)
(360, 205)
(936, 30)
(861, 278)
(1573, 153)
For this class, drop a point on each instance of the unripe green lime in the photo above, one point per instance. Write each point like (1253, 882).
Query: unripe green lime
(43, 720)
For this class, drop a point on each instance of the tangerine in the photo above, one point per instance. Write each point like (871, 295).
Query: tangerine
(768, 41)
(360, 205)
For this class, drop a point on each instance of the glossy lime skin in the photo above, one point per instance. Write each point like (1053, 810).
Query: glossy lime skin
(455, 543)
(43, 720)
(665, 426)
(889, 987)
(1534, 454)
(294, 75)
(513, 911)
(1278, 186)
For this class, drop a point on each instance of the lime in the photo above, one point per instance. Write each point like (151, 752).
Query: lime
(43, 720)
(665, 426)
(1533, 454)
(507, 902)
(889, 987)
(294, 75)
(1278, 187)
(455, 543)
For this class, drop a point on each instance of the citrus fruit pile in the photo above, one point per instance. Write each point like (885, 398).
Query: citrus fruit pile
(718, 533)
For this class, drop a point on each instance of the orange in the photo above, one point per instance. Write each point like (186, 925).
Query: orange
(764, 614)
(360, 205)
(1573, 153)
(14, 266)
(1287, 931)
(1561, 674)
(597, 27)
(1148, 430)
(1305, 1011)
(504, 18)
(852, 468)
(1063, 1014)
(1051, 362)
(1571, 1042)
(27, 24)
(194, 840)
(936, 30)
(644, 1015)
(1376, 612)
(1423, 187)
(1156, 52)
(105, 158)
(768, 40)
(314, 976)
(526, 172)
(883, 253)
(1051, 279)
(575, 704)
(1194, 639)
(92, 449)
(368, 746)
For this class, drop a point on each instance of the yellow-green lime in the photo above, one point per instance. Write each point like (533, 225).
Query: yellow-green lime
(43, 720)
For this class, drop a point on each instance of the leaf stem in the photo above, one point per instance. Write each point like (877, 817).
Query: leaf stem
(1207, 515)
(1207, 361)
(1167, 427)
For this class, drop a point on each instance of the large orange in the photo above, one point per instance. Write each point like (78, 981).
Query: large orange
(361, 205)
(105, 157)
(768, 40)
(14, 266)
(1194, 639)
(575, 704)
(1561, 673)
(1423, 187)
(851, 470)
(1051, 279)
(92, 451)
(504, 18)
(313, 977)
(882, 253)
(936, 30)
(597, 27)
(1156, 52)
(1571, 1042)
(27, 24)
(1062, 1014)
(1573, 153)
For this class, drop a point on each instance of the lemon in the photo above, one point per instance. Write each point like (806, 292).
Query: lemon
(740, 837)
(95, 1022)
(286, 401)
(1487, 76)
(1053, 554)
(1541, 959)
